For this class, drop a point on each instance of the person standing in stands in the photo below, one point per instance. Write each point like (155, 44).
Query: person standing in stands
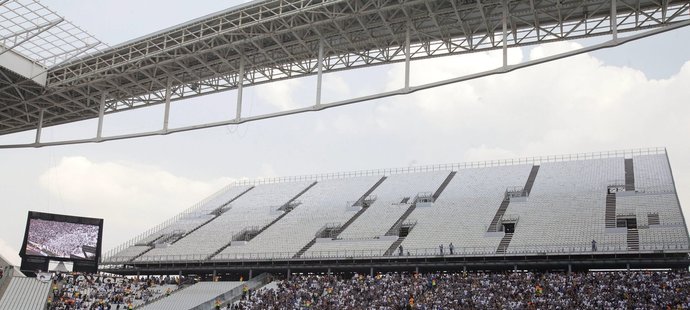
(245, 290)
(594, 245)
(400, 250)
(451, 248)
(218, 303)
(440, 248)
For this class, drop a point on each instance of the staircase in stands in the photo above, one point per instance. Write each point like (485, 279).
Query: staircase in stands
(503, 245)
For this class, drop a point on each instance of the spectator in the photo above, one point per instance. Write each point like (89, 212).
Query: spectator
(93, 291)
(596, 290)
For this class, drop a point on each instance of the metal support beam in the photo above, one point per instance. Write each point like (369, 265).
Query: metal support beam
(614, 19)
(166, 116)
(407, 58)
(385, 94)
(240, 85)
(505, 34)
(40, 126)
(319, 76)
(101, 114)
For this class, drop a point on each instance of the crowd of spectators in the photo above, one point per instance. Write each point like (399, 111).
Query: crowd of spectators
(61, 239)
(518, 290)
(84, 291)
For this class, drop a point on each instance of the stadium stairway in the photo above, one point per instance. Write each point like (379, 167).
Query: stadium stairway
(394, 247)
(304, 249)
(610, 216)
(362, 199)
(444, 185)
(530, 179)
(503, 245)
(629, 175)
(287, 207)
(494, 225)
(633, 239)
(394, 229)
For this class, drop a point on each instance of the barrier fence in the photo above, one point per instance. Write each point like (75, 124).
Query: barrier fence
(601, 248)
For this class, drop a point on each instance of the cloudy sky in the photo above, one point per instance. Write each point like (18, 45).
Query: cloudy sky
(628, 97)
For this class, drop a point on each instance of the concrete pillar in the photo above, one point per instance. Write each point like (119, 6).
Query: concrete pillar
(250, 274)
(371, 271)
(570, 269)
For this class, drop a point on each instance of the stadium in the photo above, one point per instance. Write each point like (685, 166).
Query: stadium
(579, 230)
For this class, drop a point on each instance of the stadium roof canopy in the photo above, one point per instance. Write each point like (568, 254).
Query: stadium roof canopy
(72, 77)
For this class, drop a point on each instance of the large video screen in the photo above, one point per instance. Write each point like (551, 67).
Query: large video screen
(62, 237)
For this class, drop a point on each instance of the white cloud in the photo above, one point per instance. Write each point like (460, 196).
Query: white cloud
(9, 253)
(130, 197)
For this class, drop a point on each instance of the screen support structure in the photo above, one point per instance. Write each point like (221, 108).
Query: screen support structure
(318, 105)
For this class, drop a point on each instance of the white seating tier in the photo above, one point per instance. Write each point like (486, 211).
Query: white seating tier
(565, 211)
(256, 208)
(326, 202)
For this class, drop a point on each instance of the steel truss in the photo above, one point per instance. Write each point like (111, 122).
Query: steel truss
(267, 41)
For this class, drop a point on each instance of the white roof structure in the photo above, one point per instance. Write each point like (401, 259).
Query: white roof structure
(270, 40)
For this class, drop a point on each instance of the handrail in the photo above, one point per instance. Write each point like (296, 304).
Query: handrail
(391, 171)
(563, 249)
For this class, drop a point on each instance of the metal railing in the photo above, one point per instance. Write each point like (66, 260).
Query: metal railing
(536, 160)
(601, 248)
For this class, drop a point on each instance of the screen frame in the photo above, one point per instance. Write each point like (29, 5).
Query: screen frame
(65, 219)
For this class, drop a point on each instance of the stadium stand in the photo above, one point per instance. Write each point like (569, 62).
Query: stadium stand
(620, 203)
(252, 211)
(519, 290)
(25, 293)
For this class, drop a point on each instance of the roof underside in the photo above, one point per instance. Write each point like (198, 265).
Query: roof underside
(277, 40)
